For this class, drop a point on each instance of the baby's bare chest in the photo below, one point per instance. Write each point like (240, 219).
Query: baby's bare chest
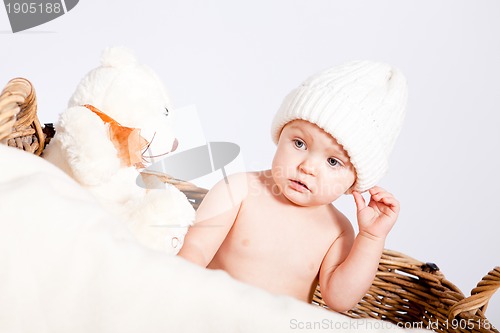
(270, 235)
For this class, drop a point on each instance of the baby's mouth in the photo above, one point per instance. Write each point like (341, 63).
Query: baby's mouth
(300, 184)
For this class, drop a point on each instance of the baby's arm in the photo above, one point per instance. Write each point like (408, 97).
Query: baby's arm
(214, 219)
(349, 268)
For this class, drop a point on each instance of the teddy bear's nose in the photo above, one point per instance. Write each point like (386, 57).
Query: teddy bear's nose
(174, 145)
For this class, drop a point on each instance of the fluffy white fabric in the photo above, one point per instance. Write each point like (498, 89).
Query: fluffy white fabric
(68, 266)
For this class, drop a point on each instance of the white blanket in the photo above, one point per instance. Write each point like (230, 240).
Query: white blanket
(68, 266)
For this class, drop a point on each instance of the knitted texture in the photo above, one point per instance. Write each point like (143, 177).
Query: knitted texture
(361, 104)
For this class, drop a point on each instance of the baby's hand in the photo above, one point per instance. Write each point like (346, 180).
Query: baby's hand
(378, 218)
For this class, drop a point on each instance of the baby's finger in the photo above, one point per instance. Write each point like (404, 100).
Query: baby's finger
(382, 194)
(375, 190)
(359, 200)
(392, 202)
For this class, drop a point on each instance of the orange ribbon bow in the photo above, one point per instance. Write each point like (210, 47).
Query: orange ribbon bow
(128, 141)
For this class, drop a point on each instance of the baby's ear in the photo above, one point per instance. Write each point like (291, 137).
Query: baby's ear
(350, 189)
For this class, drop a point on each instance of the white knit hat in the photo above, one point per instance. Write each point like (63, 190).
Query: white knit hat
(361, 104)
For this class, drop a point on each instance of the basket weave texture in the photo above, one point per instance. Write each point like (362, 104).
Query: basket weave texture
(411, 293)
(406, 291)
(19, 124)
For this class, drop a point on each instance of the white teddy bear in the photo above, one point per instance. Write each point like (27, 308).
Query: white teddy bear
(117, 119)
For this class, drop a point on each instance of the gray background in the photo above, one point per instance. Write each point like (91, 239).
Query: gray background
(236, 61)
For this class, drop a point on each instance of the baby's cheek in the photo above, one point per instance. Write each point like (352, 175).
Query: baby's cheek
(351, 174)
(279, 170)
(336, 187)
(332, 189)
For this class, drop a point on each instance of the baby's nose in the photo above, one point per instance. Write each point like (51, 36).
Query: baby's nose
(308, 167)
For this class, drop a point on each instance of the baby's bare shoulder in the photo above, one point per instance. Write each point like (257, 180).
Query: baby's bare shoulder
(242, 184)
(248, 176)
(245, 180)
(258, 181)
(339, 221)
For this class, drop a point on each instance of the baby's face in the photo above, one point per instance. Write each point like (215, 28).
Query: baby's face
(310, 167)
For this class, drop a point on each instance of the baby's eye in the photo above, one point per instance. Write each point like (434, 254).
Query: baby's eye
(299, 144)
(165, 112)
(333, 162)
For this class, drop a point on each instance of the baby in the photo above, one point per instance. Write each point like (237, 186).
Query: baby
(278, 229)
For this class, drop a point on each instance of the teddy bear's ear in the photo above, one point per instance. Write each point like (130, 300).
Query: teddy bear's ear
(118, 57)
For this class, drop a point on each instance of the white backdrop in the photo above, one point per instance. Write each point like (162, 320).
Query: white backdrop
(235, 61)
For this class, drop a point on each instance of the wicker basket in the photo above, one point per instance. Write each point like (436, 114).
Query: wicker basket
(406, 292)
(411, 293)
(19, 125)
